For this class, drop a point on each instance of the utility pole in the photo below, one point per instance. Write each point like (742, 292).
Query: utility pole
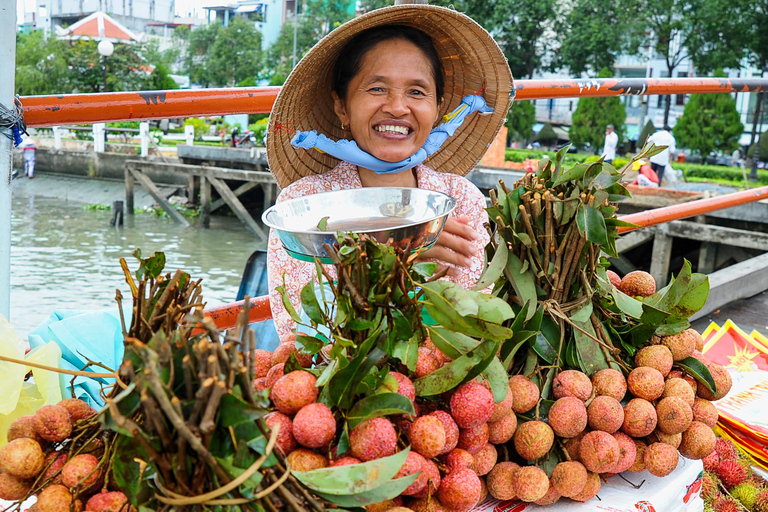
(295, 31)
(7, 89)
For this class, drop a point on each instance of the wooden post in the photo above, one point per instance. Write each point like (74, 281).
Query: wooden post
(129, 185)
(192, 190)
(662, 252)
(205, 201)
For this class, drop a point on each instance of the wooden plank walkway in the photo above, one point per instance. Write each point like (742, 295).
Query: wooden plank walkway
(203, 177)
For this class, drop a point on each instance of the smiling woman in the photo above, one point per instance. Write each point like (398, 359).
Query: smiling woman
(392, 88)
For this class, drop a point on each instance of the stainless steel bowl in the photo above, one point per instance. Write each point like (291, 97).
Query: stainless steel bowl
(406, 216)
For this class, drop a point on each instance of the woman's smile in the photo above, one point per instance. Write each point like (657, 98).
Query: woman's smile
(391, 104)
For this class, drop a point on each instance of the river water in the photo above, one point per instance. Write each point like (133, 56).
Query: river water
(64, 256)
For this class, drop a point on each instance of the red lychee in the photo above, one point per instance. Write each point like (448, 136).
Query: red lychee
(530, 483)
(473, 439)
(646, 383)
(568, 416)
(314, 426)
(460, 490)
(404, 386)
(627, 452)
(108, 502)
(605, 413)
(638, 283)
(304, 459)
(427, 436)
(525, 394)
(499, 480)
(660, 459)
(293, 391)
(22, 458)
(723, 383)
(81, 471)
(53, 423)
(533, 439)
(471, 405)
(614, 278)
(78, 409)
(572, 383)
(499, 432)
(414, 463)
(485, 459)
(655, 356)
(569, 478)
(599, 451)
(285, 440)
(450, 427)
(609, 382)
(639, 418)
(373, 439)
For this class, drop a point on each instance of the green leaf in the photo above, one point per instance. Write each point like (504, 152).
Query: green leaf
(310, 305)
(524, 284)
(574, 173)
(451, 375)
(342, 384)
(668, 297)
(512, 345)
(546, 351)
(387, 491)
(355, 378)
(234, 410)
(126, 469)
(355, 478)
(323, 224)
(237, 465)
(375, 406)
(495, 268)
(407, 351)
(359, 324)
(618, 223)
(671, 328)
(343, 442)
(490, 349)
(698, 371)
(588, 351)
(309, 344)
(149, 268)
(464, 303)
(492, 309)
(694, 299)
(287, 304)
(453, 344)
(498, 379)
(591, 224)
(424, 269)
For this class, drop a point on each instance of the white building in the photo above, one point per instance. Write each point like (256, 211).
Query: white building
(268, 16)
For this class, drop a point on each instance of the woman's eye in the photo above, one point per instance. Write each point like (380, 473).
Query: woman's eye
(376, 89)
(417, 92)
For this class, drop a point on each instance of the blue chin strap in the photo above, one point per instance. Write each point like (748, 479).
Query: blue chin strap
(348, 151)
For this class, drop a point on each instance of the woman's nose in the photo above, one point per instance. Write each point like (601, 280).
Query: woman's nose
(397, 104)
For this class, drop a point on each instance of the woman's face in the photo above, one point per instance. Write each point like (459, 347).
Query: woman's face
(391, 104)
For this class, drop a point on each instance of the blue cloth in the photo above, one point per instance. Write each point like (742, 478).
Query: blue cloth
(348, 151)
(97, 336)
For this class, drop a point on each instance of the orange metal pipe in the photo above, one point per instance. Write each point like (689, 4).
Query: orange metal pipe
(693, 208)
(125, 106)
(225, 317)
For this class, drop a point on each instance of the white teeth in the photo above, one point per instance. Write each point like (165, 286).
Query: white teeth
(386, 128)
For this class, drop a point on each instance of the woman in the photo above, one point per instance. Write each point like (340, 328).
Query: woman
(385, 80)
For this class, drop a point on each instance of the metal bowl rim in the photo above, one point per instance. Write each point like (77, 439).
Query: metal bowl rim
(451, 202)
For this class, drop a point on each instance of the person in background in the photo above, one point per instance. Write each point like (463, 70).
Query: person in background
(659, 162)
(611, 141)
(736, 158)
(28, 148)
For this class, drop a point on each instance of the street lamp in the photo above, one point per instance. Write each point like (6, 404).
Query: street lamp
(106, 48)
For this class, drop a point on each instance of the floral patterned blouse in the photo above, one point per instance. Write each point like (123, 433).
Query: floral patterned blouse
(470, 202)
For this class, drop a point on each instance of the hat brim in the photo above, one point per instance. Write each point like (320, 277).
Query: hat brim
(473, 64)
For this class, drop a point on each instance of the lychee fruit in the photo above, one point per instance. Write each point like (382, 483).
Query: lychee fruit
(459, 458)
(572, 446)
(568, 416)
(609, 382)
(314, 425)
(471, 405)
(499, 480)
(731, 473)
(53, 423)
(108, 502)
(681, 344)
(451, 430)
(615, 280)
(569, 478)
(639, 418)
(414, 463)
(670, 439)
(433, 480)
(639, 465)
(262, 362)
(426, 363)
(485, 459)
(591, 488)
(259, 384)
(530, 483)
(723, 383)
(499, 432)
(705, 412)
(502, 408)
(404, 386)
(550, 498)
(533, 439)
(344, 461)
(54, 462)
(646, 383)
(418, 505)
(293, 391)
(12, 488)
(460, 490)
(627, 452)
(605, 413)
(655, 356)
(638, 283)
(286, 442)
(698, 441)
(304, 459)
(283, 352)
(427, 436)
(81, 471)
(674, 415)
(54, 498)
(599, 451)
(24, 427)
(699, 339)
(22, 458)
(373, 439)
(525, 394)
(473, 439)
(572, 383)
(78, 409)
(679, 388)
(275, 373)
(660, 459)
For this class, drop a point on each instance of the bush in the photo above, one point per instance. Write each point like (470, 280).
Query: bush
(201, 126)
(521, 155)
(259, 130)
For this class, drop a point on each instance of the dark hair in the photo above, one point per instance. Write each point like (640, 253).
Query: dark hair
(350, 58)
(667, 128)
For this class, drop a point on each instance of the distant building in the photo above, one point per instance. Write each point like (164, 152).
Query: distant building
(133, 14)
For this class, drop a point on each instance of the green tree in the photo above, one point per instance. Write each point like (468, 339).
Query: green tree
(709, 122)
(224, 56)
(279, 55)
(590, 42)
(520, 120)
(159, 80)
(126, 67)
(546, 134)
(41, 67)
(591, 117)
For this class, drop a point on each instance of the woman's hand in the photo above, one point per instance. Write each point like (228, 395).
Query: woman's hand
(455, 245)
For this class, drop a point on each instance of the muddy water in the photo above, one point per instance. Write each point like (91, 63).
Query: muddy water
(66, 257)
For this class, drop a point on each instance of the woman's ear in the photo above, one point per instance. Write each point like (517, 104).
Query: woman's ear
(438, 117)
(340, 107)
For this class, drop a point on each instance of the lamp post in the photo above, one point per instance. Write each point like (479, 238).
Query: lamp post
(106, 48)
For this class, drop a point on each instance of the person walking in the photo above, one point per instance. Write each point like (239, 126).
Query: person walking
(611, 141)
(28, 148)
(659, 162)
